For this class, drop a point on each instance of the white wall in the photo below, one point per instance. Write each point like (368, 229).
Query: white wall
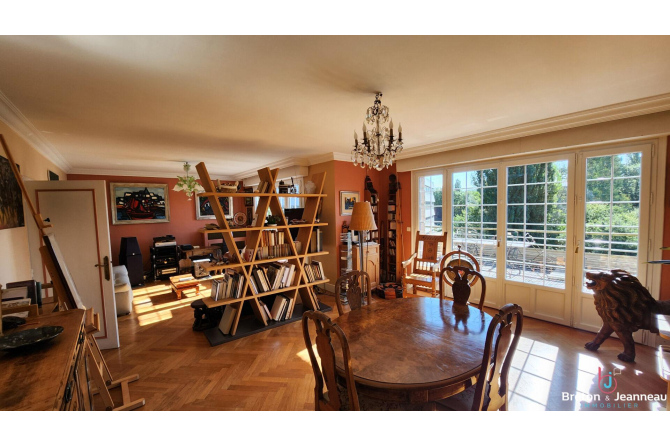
(14, 250)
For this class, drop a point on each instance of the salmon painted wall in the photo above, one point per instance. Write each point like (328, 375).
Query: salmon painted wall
(665, 270)
(352, 178)
(183, 224)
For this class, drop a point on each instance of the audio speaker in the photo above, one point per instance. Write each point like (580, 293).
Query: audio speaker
(131, 256)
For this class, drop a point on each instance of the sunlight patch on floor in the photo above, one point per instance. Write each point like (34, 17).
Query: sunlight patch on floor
(531, 374)
(148, 319)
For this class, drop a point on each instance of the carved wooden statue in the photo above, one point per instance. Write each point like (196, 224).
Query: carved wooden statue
(625, 306)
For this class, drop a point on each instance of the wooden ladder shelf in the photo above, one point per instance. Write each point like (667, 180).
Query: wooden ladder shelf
(270, 200)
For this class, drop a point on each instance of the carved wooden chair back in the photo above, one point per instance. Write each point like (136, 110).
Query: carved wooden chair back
(351, 281)
(325, 374)
(461, 278)
(429, 250)
(502, 339)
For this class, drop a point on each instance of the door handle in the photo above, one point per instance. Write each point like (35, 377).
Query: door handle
(105, 266)
(577, 247)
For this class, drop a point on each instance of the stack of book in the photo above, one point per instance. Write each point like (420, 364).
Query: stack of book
(314, 271)
(275, 276)
(230, 286)
(227, 319)
(272, 245)
(315, 243)
(282, 309)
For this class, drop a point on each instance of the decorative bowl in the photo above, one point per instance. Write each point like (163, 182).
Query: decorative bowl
(30, 337)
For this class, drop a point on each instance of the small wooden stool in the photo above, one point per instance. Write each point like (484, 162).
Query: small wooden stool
(183, 283)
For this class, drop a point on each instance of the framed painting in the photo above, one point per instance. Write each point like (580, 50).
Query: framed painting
(248, 201)
(135, 203)
(203, 208)
(347, 200)
(11, 201)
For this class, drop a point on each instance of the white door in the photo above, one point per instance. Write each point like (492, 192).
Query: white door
(78, 212)
(537, 242)
(611, 220)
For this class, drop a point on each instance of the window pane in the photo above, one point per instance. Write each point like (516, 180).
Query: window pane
(537, 224)
(475, 216)
(430, 204)
(612, 212)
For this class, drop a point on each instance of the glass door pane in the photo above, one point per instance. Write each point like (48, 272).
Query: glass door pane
(474, 205)
(537, 214)
(430, 204)
(612, 212)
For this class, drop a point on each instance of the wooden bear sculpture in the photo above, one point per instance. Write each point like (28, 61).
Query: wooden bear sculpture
(625, 306)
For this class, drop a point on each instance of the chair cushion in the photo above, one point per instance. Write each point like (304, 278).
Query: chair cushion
(420, 278)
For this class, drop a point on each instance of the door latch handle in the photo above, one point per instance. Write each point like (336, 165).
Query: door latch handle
(577, 247)
(105, 266)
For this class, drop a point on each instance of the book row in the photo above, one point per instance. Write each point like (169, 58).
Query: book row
(314, 271)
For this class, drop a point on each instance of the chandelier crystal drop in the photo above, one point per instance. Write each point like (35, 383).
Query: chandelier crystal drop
(379, 148)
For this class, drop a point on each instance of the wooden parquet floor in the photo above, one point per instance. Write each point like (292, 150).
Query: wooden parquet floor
(271, 371)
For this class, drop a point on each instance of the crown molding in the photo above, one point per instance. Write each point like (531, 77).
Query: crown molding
(138, 173)
(332, 156)
(17, 121)
(638, 107)
(281, 164)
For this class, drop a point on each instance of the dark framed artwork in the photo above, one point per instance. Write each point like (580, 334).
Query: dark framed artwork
(11, 201)
(135, 203)
(249, 201)
(347, 200)
(52, 176)
(203, 208)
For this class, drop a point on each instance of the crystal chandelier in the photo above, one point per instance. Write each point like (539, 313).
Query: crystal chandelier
(188, 184)
(379, 148)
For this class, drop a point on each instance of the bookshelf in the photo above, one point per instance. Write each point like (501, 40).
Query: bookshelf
(300, 287)
(391, 240)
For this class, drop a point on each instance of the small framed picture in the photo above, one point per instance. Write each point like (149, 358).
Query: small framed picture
(204, 211)
(347, 200)
(248, 201)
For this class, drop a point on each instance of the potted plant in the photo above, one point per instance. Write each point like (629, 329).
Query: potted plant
(272, 220)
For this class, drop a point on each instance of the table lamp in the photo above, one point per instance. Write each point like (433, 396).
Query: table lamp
(362, 220)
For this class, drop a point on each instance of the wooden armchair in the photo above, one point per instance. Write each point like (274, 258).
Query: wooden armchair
(325, 374)
(490, 392)
(351, 281)
(421, 272)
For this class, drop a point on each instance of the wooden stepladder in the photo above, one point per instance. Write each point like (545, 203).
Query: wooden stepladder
(97, 366)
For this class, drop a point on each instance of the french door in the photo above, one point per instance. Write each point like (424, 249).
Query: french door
(613, 203)
(537, 238)
(537, 224)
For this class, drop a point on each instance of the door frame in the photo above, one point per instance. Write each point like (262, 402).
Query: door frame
(646, 233)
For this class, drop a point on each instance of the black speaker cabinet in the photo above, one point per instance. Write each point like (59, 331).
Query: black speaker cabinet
(131, 257)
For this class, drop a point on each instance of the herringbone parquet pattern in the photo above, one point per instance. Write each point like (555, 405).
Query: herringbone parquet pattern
(270, 370)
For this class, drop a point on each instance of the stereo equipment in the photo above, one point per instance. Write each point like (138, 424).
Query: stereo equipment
(131, 256)
(164, 257)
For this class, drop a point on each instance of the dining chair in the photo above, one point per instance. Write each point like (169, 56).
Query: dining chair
(490, 391)
(461, 279)
(351, 283)
(334, 397)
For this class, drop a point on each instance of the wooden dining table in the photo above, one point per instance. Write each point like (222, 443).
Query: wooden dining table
(409, 353)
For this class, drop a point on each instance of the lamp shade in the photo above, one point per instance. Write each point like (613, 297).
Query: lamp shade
(362, 218)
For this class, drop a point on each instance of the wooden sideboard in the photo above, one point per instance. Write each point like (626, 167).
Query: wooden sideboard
(51, 376)
(371, 257)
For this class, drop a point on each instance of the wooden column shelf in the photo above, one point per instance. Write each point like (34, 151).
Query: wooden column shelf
(269, 200)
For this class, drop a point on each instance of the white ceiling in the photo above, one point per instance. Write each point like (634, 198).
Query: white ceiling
(239, 103)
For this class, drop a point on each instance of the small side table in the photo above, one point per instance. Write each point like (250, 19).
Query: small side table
(183, 283)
